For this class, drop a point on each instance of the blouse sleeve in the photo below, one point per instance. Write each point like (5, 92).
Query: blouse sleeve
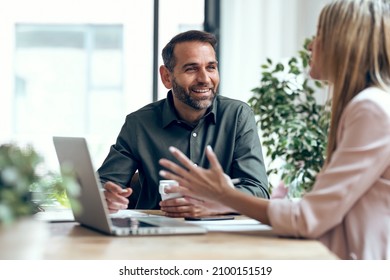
(361, 156)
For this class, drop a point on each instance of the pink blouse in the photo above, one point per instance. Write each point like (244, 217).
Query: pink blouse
(349, 207)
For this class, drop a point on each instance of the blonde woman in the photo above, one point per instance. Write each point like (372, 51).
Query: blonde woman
(348, 208)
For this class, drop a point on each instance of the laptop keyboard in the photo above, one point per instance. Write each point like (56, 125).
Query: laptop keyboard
(129, 222)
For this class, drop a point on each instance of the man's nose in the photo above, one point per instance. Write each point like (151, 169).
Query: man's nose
(203, 76)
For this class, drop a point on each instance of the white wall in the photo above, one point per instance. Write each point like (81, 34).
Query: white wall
(129, 13)
(137, 20)
(252, 30)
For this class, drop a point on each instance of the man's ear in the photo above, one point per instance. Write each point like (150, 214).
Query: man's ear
(165, 75)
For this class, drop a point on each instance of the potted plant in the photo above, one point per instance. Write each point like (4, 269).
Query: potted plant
(293, 124)
(22, 177)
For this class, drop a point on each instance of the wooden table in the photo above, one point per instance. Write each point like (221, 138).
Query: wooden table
(71, 241)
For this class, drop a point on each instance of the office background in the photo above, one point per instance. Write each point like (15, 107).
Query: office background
(78, 67)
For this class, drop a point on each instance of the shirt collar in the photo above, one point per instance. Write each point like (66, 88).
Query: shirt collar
(169, 112)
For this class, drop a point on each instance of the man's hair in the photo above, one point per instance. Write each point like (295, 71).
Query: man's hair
(354, 52)
(188, 36)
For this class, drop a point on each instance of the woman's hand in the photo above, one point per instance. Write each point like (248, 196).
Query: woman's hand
(195, 181)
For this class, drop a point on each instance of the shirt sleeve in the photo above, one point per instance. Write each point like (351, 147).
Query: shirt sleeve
(119, 165)
(248, 162)
(361, 156)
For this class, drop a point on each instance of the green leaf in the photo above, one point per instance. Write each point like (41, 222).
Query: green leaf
(294, 127)
(22, 177)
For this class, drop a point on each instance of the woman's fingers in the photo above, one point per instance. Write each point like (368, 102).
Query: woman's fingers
(182, 158)
(214, 162)
(172, 166)
(171, 176)
(174, 171)
(178, 173)
(188, 174)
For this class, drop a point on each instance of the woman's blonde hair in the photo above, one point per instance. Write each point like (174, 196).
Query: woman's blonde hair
(354, 41)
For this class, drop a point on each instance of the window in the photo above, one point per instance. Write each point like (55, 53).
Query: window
(73, 72)
(172, 22)
(79, 72)
(65, 78)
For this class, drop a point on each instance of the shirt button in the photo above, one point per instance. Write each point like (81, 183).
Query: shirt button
(194, 134)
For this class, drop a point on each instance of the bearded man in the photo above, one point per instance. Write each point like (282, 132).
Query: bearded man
(191, 117)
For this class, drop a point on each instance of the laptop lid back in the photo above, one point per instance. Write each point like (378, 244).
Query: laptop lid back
(73, 151)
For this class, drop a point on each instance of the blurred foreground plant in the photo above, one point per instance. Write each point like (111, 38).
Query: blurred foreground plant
(22, 178)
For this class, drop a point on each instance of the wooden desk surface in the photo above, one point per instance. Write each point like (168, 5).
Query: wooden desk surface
(71, 241)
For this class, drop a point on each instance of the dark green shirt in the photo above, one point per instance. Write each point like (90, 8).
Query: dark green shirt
(228, 127)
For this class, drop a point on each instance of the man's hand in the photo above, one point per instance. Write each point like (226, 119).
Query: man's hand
(116, 197)
(191, 207)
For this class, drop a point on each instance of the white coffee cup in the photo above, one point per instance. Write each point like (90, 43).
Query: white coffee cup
(168, 183)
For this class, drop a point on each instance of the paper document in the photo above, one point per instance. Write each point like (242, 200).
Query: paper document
(233, 225)
(55, 215)
(66, 215)
(128, 213)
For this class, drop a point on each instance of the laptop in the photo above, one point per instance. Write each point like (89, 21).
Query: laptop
(74, 151)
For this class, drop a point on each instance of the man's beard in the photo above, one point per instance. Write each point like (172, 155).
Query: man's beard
(185, 97)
